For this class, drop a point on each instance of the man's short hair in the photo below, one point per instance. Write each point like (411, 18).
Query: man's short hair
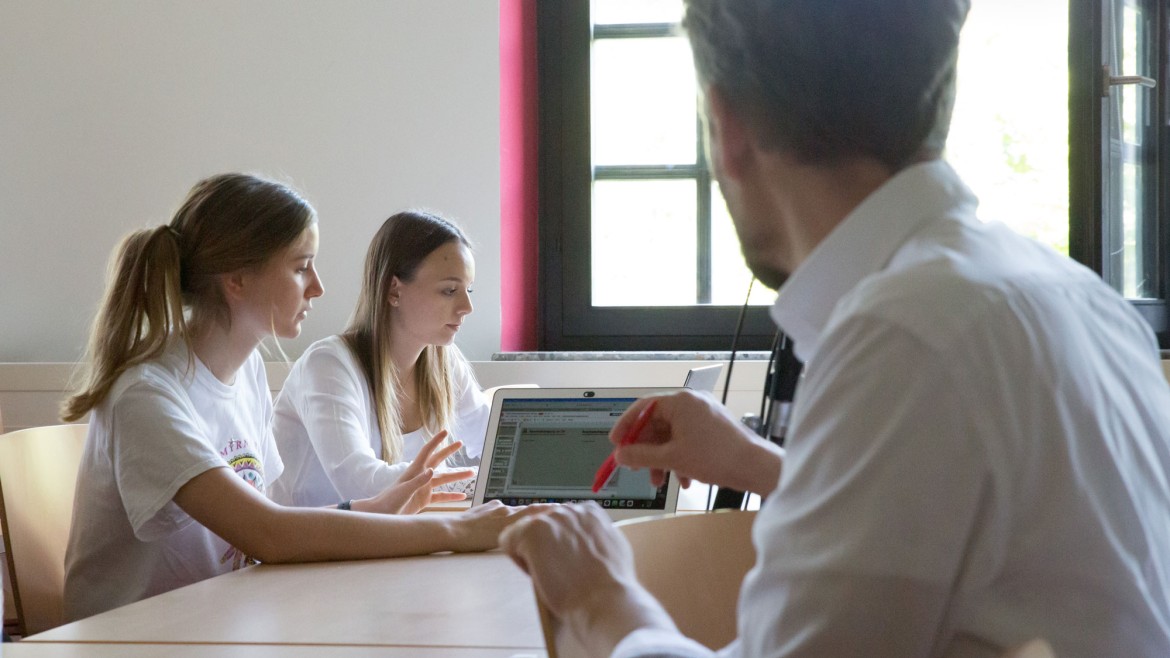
(826, 80)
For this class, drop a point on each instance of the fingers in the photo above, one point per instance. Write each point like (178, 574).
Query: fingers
(658, 476)
(506, 519)
(659, 458)
(541, 531)
(432, 455)
(447, 477)
(590, 516)
(530, 523)
(419, 481)
(644, 455)
(442, 455)
(541, 518)
(430, 446)
(627, 419)
(535, 509)
(510, 544)
(447, 496)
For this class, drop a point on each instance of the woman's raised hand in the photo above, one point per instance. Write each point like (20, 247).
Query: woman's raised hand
(414, 489)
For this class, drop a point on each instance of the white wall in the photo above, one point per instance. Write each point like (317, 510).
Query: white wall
(111, 110)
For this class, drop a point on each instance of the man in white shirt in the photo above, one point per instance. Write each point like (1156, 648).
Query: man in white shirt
(978, 451)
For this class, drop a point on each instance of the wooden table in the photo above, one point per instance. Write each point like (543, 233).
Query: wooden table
(476, 605)
(447, 602)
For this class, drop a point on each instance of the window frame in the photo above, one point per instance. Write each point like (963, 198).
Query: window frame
(1087, 112)
(570, 322)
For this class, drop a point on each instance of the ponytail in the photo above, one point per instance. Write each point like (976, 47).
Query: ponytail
(141, 312)
(227, 223)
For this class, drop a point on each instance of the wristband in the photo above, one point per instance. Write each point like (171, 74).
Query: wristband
(347, 505)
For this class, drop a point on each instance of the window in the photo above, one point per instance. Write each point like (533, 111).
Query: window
(1118, 149)
(638, 251)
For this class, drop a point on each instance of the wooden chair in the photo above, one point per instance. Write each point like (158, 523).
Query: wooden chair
(693, 564)
(38, 473)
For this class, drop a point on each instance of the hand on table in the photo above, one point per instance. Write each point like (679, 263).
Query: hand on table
(583, 571)
(480, 528)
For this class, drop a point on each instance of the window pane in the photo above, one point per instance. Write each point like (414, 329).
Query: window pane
(1127, 193)
(644, 243)
(1009, 134)
(729, 274)
(1137, 282)
(643, 102)
(607, 12)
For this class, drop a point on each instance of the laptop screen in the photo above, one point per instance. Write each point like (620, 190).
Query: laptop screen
(548, 449)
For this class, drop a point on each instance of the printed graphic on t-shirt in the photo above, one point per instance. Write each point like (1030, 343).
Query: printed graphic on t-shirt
(246, 464)
(237, 558)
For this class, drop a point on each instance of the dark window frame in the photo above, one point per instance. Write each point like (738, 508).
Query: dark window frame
(1087, 151)
(570, 322)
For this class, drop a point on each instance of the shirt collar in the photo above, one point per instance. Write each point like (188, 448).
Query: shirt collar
(862, 244)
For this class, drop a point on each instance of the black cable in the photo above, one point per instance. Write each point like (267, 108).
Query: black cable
(735, 340)
(732, 498)
(764, 426)
(731, 361)
(765, 399)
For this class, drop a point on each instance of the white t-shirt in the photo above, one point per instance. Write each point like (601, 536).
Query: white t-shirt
(160, 426)
(979, 451)
(328, 432)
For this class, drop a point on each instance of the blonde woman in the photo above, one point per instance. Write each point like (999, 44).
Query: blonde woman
(174, 479)
(356, 406)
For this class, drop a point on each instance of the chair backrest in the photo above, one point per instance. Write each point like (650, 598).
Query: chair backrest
(38, 475)
(490, 393)
(1037, 648)
(694, 564)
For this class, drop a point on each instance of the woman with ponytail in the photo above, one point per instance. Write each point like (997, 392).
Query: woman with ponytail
(356, 407)
(173, 484)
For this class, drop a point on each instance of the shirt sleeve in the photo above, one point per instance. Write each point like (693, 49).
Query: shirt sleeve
(158, 445)
(863, 541)
(331, 405)
(656, 643)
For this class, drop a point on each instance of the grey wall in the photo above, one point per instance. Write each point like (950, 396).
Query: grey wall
(111, 110)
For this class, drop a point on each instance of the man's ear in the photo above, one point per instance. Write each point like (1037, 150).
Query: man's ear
(730, 142)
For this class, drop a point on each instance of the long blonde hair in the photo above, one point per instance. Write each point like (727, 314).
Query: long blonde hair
(397, 250)
(227, 223)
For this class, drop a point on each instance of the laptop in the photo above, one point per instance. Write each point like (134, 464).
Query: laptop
(703, 378)
(544, 445)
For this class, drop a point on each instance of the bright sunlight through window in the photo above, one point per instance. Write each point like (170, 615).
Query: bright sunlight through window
(1008, 140)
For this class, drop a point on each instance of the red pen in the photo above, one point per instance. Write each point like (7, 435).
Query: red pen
(609, 465)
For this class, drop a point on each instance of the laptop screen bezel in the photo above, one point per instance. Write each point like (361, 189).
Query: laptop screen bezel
(502, 394)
